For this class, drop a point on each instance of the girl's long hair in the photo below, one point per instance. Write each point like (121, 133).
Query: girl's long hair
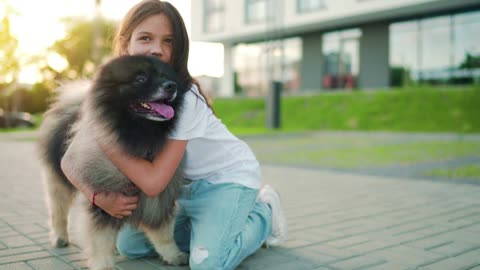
(145, 9)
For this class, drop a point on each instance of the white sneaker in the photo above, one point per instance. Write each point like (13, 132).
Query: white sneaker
(279, 223)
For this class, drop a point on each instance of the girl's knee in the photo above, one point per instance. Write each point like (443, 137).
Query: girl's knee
(124, 246)
(202, 259)
(209, 264)
(124, 249)
(134, 244)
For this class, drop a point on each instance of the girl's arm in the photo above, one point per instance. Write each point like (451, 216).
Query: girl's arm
(150, 177)
(115, 204)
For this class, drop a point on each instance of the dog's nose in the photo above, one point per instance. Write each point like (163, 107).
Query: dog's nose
(169, 87)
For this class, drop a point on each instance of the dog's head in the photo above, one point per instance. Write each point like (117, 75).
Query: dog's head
(138, 86)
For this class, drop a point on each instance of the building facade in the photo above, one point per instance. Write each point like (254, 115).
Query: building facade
(327, 44)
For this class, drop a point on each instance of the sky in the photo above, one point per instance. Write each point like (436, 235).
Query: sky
(37, 25)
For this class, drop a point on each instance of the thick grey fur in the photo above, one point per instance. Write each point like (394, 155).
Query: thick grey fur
(100, 111)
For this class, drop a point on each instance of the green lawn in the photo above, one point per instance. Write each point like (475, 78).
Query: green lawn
(424, 109)
(469, 171)
(359, 151)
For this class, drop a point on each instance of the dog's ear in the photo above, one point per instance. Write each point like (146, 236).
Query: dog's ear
(120, 70)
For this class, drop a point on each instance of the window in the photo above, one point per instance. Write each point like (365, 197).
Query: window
(309, 5)
(467, 40)
(214, 16)
(435, 46)
(404, 53)
(256, 64)
(436, 50)
(341, 58)
(259, 11)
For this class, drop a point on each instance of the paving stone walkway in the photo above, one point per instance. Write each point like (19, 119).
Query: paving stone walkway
(337, 221)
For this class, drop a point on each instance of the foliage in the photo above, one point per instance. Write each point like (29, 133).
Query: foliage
(36, 99)
(33, 100)
(237, 88)
(8, 47)
(399, 76)
(471, 61)
(78, 47)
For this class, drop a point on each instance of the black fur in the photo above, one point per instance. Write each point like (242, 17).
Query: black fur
(118, 83)
(115, 88)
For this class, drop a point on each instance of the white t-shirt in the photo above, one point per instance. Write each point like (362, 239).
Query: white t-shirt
(213, 153)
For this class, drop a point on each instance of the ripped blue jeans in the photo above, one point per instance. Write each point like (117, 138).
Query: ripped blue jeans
(218, 224)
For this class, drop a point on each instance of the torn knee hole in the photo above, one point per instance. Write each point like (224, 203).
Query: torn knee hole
(199, 254)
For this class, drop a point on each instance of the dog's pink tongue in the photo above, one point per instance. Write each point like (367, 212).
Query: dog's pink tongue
(163, 109)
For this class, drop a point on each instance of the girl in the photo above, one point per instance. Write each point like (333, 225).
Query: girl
(223, 217)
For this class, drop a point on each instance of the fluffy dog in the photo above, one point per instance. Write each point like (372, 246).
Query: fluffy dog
(133, 103)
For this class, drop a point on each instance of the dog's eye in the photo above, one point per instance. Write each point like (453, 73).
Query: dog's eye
(141, 78)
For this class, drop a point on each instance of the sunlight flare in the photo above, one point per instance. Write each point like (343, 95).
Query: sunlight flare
(57, 62)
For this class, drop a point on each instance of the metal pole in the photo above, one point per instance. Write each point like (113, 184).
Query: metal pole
(273, 105)
(277, 69)
(97, 34)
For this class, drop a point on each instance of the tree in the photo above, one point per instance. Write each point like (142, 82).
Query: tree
(8, 46)
(9, 67)
(78, 48)
(471, 61)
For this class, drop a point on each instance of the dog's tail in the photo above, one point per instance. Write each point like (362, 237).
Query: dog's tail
(73, 92)
(58, 119)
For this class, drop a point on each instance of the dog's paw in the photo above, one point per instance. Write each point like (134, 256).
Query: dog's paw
(59, 243)
(101, 262)
(108, 268)
(179, 258)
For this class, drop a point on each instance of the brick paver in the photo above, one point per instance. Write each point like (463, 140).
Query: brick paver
(337, 221)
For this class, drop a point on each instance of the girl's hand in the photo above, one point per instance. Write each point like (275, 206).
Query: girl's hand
(116, 204)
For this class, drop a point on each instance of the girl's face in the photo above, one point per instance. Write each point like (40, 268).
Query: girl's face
(153, 36)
